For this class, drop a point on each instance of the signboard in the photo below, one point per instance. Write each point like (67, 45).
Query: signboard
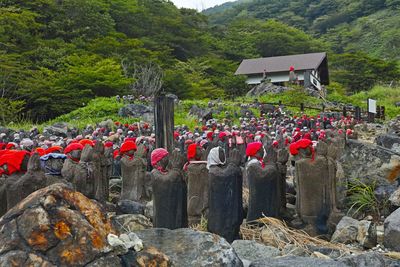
(372, 106)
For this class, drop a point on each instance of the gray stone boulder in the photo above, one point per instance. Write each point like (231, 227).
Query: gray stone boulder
(201, 113)
(252, 250)
(290, 261)
(59, 129)
(134, 110)
(395, 198)
(126, 206)
(266, 88)
(131, 222)
(369, 259)
(392, 231)
(367, 234)
(350, 230)
(186, 247)
(387, 140)
(346, 231)
(380, 162)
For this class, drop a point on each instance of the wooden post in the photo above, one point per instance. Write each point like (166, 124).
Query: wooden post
(302, 107)
(164, 122)
(383, 112)
(344, 112)
(378, 112)
(358, 113)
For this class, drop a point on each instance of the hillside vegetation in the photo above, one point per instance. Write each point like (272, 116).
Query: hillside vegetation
(348, 25)
(104, 108)
(55, 56)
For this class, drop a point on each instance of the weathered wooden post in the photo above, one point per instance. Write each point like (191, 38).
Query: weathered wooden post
(378, 112)
(164, 122)
(344, 111)
(358, 113)
(383, 112)
(302, 107)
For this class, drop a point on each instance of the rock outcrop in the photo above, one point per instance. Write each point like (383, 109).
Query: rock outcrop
(186, 247)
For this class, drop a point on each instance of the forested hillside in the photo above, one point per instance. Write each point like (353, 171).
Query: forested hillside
(349, 25)
(57, 55)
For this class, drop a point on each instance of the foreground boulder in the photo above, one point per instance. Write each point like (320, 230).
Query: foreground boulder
(186, 247)
(350, 230)
(252, 250)
(392, 231)
(57, 226)
(57, 222)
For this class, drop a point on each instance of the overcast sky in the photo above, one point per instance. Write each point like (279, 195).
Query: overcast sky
(199, 4)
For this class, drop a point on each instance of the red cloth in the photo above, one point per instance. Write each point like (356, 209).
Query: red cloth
(130, 139)
(210, 136)
(108, 144)
(116, 153)
(2, 146)
(157, 155)
(191, 153)
(10, 146)
(291, 68)
(176, 135)
(54, 149)
(72, 147)
(301, 144)
(129, 145)
(253, 148)
(307, 136)
(85, 142)
(13, 159)
(222, 135)
(40, 151)
(275, 144)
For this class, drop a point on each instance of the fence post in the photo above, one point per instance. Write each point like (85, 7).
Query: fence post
(383, 112)
(358, 113)
(323, 107)
(378, 112)
(302, 107)
(344, 112)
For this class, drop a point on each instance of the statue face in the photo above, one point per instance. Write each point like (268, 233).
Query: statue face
(55, 164)
(260, 153)
(221, 155)
(198, 153)
(76, 154)
(164, 162)
(24, 164)
(130, 153)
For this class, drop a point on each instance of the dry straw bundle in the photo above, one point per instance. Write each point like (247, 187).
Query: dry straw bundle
(274, 232)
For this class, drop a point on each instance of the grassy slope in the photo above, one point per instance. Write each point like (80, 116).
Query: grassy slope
(101, 109)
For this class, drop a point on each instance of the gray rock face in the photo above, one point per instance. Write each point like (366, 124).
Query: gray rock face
(134, 110)
(367, 234)
(389, 141)
(370, 259)
(346, 231)
(297, 262)
(131, 222)
(392, 231)
(201, 113)
(395, 198)
(252, 250)
(380, 162)
(186, 247)
(57, 130)
(129, 207)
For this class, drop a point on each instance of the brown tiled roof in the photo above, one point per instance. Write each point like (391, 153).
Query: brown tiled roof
(280, 64)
